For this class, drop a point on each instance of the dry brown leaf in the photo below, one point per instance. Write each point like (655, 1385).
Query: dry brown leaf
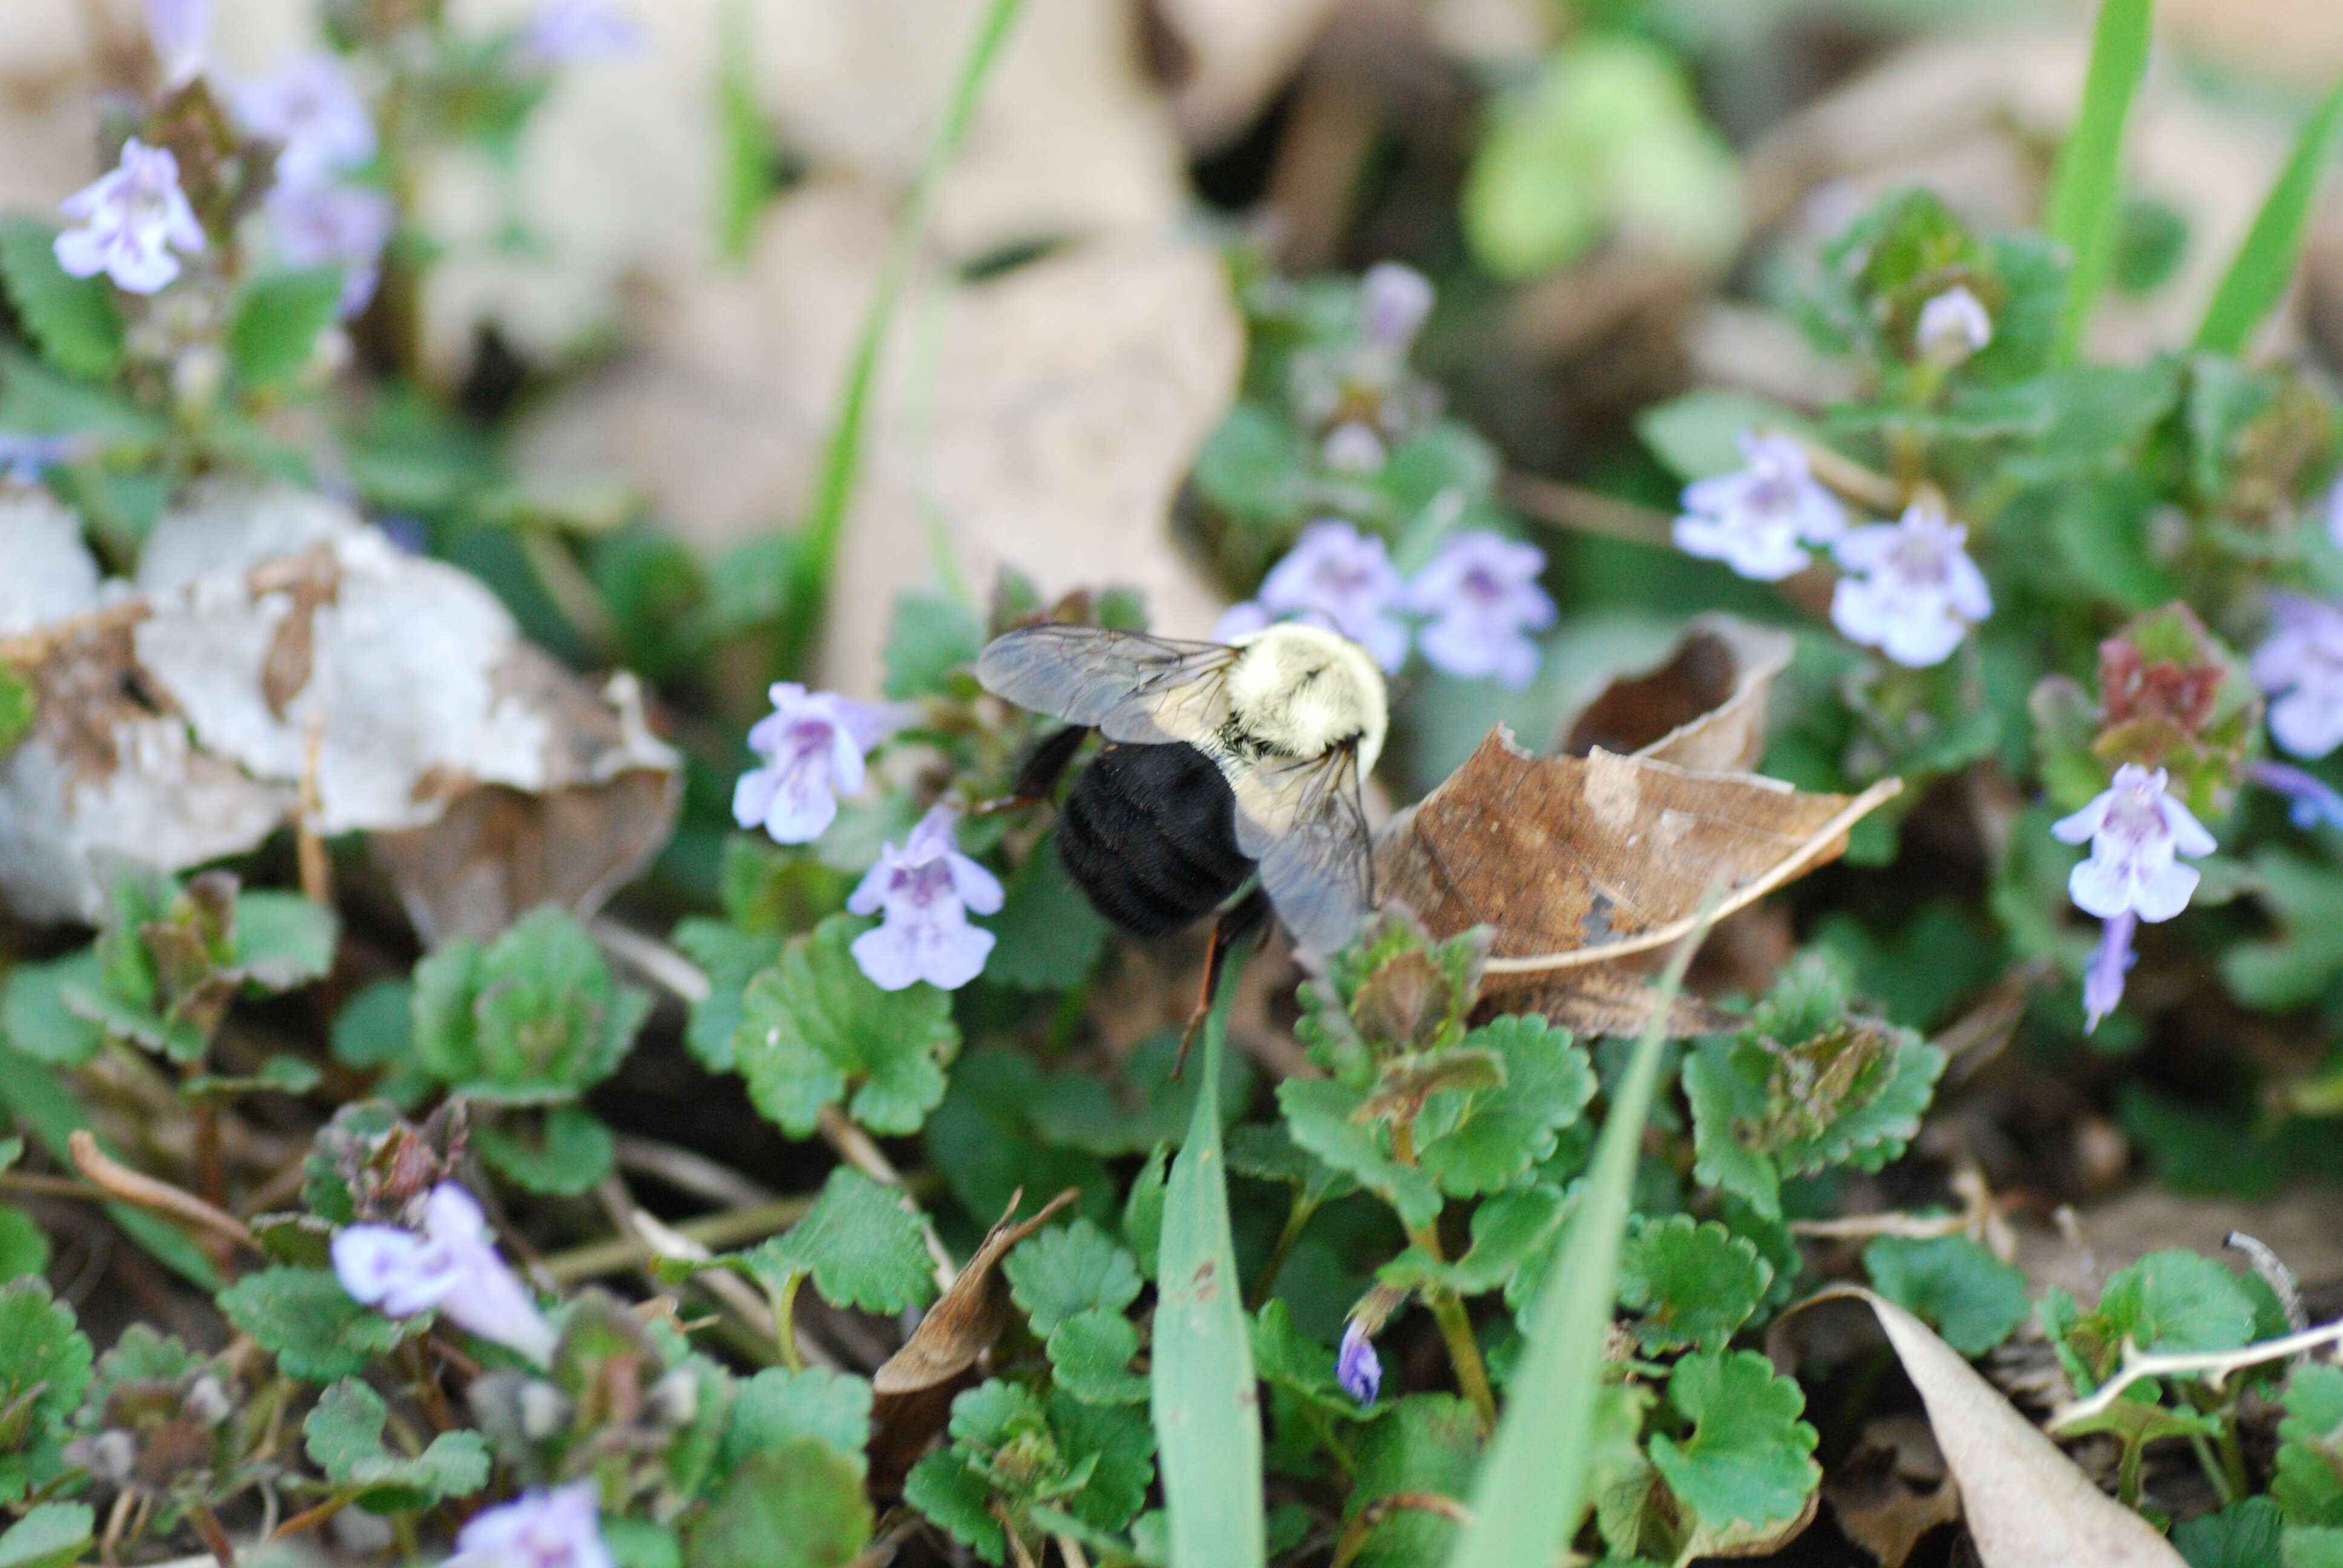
(1703, 707)
(1892, 1490)
(1042, 418)
(1581, 860)
(2298, 1224)
(276, 637)
(912, 1392)
(2026, 1504)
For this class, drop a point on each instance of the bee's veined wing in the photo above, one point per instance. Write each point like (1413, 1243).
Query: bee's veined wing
(1305, 825)
(1141, 691)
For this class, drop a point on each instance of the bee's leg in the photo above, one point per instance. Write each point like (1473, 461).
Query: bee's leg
(1248, 917)
(1040, 775)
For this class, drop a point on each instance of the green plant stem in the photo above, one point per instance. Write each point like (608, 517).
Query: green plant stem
(1297, 1220)
(2128, 1472)
(785, 1324)
(2212, 1469)
(1463, 1350)
(841, 462)
(717, 1232)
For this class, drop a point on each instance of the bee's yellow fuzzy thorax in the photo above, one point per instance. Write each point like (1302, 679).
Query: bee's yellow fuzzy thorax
(1302, 691)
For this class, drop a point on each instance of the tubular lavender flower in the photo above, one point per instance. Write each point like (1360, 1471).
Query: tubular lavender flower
(1758, 521)
(2300, 667)
(452, 1266)
(176, 30)
(925, 889)
(1356, 1366)
(1337, 572)
(565, 31)
(312, 110)
(132, 220)
(1913, 592)
(1482, 589)
(2103, 981)
(558, 1528)
(333, 225)
(2135, 829)
(813, 744)
(1953, 326)
(2309, 802)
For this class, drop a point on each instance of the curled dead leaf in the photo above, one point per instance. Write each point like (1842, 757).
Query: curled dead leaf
(1703, 707)
(913, 1390)
(2026, 1504)
(275, 639)
(1577, 862)
(1892, 1490)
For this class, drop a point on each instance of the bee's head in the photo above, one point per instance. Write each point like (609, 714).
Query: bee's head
(1304, 690)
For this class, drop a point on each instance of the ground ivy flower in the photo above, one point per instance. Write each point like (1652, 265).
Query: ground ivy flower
(1346, 577)
(2300, 667)
(176, 30)
(813, 744)
(1356, 1366)
(25, 458)
(1483, 590)
(2308, 800)
(1395, 301)
(452, 1266)
(2135, 827)
(558, 1528)
(1913, 592)
(333, 225)
(926, 890)
(2335, 514)
(566, 31)
(131, 220)
(1953, 326)
(1757, 520)
(312, 111)
(2103, 981)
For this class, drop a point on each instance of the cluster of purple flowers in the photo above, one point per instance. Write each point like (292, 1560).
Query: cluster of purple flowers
(1360, 399)
(1909, 588)
(1480, 593)
(2136, 829)
(312, 110)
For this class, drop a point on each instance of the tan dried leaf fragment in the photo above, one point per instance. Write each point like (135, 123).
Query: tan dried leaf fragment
(2026, 1504)
(1575, 861)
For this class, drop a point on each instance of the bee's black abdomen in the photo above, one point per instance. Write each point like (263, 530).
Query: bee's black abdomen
(1149, 834)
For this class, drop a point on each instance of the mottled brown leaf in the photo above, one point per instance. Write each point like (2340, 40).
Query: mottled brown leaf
(1705, 708)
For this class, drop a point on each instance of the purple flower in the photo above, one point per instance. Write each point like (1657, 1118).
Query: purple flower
(2335, 513)
(813, 744)
(1915, 593)
(2134, 828)
(2103, 983)
(1393, 302)
(312, 112)
(452, 1266)
(1482, 589)
(176, 30)
(1241, 618)
(132, 220)
(1756, 520)
(2308, 800)
(2300, 666)
(333, 225)
(1357, 1366)
(565, 31)
(555, 1528)
(926, 890)
(1335, 572)
(25, 458)
(1953, 326)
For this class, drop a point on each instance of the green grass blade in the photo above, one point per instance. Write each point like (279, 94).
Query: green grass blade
(1203, 1400)
(2265, 263)
(842, 460)
(1533, 1482)
(2086, 188)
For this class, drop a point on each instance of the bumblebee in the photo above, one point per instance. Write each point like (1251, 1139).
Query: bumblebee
(1222, 762)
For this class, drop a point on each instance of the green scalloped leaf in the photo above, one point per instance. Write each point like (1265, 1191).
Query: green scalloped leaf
(1748, 1462)
(816, 1032)
(1692, 1282)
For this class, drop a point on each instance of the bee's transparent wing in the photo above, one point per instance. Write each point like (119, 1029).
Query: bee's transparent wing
(1305, 825)
(1141, 691)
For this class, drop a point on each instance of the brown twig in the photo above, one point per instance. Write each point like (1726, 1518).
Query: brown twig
(596, 1258)
(309, 1519)
(1585, 511)
(120, 1181)
(316, 866)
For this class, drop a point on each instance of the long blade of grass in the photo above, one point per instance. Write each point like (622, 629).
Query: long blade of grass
(1532, 1483)
(1202, 1396)
(841, 461)
(2086, 188)
(2266, 262)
